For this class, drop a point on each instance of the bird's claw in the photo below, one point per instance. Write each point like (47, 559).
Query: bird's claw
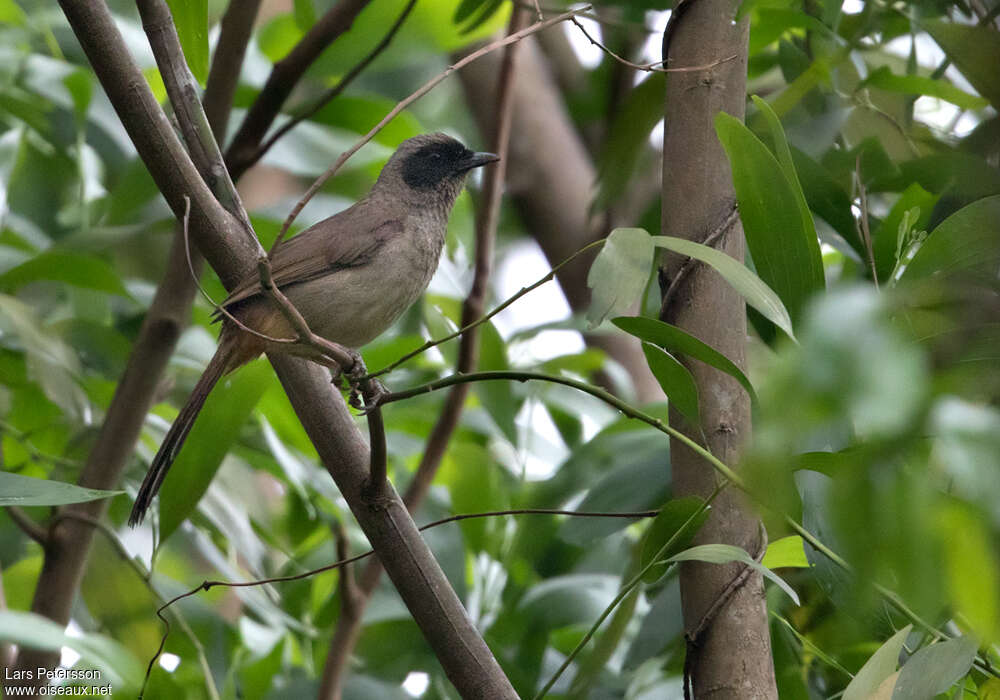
(368, 397)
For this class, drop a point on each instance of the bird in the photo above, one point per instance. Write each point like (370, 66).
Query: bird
(350, 276)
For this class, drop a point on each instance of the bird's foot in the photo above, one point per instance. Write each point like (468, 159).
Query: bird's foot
(347, 373)
(367, 395)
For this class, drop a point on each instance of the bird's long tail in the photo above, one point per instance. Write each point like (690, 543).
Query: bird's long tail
(217, 367)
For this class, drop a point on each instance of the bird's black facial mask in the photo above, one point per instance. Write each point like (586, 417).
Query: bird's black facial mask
(427, 167)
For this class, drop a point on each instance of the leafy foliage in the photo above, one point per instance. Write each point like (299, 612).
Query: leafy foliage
(868, 189)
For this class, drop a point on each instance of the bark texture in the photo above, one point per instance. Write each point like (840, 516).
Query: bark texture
(731, 657)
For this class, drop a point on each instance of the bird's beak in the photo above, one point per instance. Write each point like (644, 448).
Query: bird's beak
(478, 159)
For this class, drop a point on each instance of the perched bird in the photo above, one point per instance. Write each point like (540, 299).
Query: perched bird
(349, 276)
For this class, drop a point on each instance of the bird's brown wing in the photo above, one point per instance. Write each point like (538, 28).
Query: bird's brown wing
(347, 239)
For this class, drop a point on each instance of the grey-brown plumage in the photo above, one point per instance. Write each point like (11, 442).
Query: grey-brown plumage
(350, 276)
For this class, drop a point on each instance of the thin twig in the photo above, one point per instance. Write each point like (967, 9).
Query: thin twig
(464, 329)
(864, 231)
(403, 104)
(654, 66)
(690, 263)
(28, 526)
(208, 585)
(723, 469)
(181, 88)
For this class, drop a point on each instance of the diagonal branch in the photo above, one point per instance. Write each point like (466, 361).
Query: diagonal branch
(417, 576)
(348, 628)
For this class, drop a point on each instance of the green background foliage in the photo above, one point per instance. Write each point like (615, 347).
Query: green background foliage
(868, 187)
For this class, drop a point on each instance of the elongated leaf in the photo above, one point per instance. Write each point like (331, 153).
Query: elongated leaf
(827, 198)
(191, 20)
(637, 481)
(967, 243)
(674, 340)
(18, 490)
(725, 553)
(675, 380)
(784, 155)
(778, 226)
(619, 273)
(217, 427)
(754, 290)
(818, 72)
(934, 669)
(880, 666)
(975, 51)
(884, 79)
(78, 269)
(680, 519)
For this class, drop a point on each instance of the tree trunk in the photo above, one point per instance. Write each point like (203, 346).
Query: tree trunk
(729, 650)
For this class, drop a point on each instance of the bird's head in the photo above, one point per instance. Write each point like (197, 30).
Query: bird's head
(430, 169)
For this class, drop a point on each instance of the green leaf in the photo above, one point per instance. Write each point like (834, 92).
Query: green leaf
(217, 427)
(466, 9)
(827, 198)
(18, 490)
(78, 269)
(880, 666)
(725, 553)
(675, 380)
(886, 237)
(754, 290)
(974, 50)
(572, 599)
(191, 20)
(637, 481)
(674, 340)
(778, 226)
(628, 137)
(305, 14)
(779, 146)
(11, 13)
(115, 662)
(884, 79)
(787, 552)
(51, 362)
(971, 567)
(679, 520)
(934, 669)
(966, 244)
(819, 71)
(498, 398)
(619, 273)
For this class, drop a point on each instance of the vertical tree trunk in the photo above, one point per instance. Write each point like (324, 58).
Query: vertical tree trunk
(729, 650)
